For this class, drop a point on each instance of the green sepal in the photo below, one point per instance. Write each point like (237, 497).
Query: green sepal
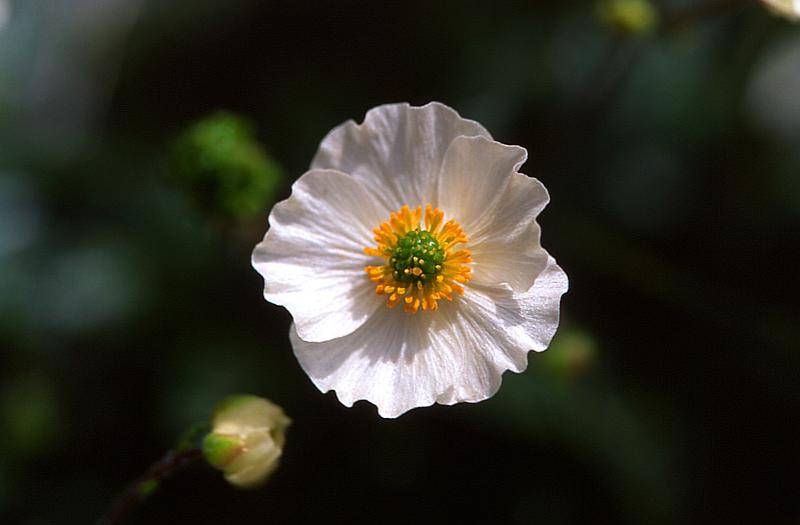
(221, 449)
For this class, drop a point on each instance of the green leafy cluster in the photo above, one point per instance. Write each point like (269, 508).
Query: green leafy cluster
(220, 162)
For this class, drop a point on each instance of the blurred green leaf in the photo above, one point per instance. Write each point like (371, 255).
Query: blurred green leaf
(30, 415)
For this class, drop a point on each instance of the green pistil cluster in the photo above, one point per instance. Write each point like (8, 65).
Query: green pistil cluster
(418, 257)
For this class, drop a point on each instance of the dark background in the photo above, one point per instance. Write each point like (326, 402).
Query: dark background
(670, 393)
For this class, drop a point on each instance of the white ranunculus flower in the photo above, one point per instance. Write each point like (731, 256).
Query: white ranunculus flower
(409, 257)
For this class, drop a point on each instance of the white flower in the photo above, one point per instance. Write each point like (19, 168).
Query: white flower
(787, 8)
(478, 290)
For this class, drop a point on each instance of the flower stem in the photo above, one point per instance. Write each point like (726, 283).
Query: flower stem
(144, 486)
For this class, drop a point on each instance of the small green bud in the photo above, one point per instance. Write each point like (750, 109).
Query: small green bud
(220, 162)
(571, 354)
(787, 8)
(246, 439)
(631, 17)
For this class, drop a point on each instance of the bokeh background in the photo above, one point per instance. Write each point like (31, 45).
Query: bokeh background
(668, 135)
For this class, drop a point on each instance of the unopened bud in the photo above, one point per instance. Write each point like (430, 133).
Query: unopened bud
(632, 17)
(571, 354)
(246, 439)
(788, 8)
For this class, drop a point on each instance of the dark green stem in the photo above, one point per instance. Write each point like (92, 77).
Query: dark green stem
(172, 462)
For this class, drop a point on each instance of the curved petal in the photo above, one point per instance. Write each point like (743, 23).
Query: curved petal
(397, 151)
(399, 361)
(252, 467)
(497, 207)
(312, 257)
(517, 324)
(516, 260)
(472, 175)
(523, 321)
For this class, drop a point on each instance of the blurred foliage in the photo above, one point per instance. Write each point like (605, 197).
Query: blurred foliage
(31, 420)
(220, 162)
(669, 395)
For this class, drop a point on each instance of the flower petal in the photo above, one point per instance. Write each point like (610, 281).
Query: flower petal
(479, 186)
(312, 257)
(516, 260)
(397, 151)
(457, 354)
(522, 321)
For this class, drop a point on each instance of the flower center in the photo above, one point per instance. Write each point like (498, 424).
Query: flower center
(418, 257)
(422, 266)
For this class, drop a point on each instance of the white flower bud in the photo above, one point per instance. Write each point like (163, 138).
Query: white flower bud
(246, 439)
